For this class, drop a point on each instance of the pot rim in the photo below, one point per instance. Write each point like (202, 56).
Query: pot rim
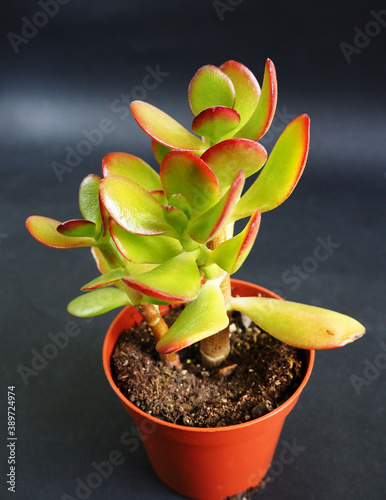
(106, 355)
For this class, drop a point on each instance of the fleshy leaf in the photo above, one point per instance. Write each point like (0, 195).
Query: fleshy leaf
(89, 199)
(165, 129)
(179, 201)
(228, 157)
(246, 87)
(133, 168)
(184, 173)
(106, 279)
(300, 325)
(215, 122)
(282, 171)
(77, 228)
(203, 317)
(159, 151)
(98, 302)
(207, 225)
(132, 207)
(144, 249)
(231, 254)
(100, 261)
(159, 195)
(262, 117)
(44, 230)
(176, 280)
(176, 218)
(210, 87)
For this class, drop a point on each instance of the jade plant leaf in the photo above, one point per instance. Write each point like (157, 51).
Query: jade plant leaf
(44, 230)
(209, 224)
(262, 117)
(210, 87)
(228, 157)
(133, 168)
(78, 228)
(89, 199)
(100, 261)
(176, 218)
(201, 318)
(164, 129)
(215, 122)
(144, 249)
(106, 279)
(282, 171)
(300, 325)
(165, 282)
(98, 302)
(184, 173)
(247, 89)
(159, 151)
(231, 254)
(132, 207)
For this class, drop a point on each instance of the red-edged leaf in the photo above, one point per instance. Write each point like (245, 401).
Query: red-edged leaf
(215, 122)
(261, 119)
(210, 87)
(44, 230)
(228, 157)
(77, 228)
(106, 279)
(203, 317)
(159, 151)
(164, 129)
(246, 87)
(300, 325)
(133, 168)
(176, 219)
(231, 254)
(282, 171)
(100, 261)
(209, 224)
(144, 249)
(184, 173)
(132, 207)
(164, 283)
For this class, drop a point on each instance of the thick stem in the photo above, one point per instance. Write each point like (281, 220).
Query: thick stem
(215, 349)
(159, 328)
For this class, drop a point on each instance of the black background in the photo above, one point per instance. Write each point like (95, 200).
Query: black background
(64, 80)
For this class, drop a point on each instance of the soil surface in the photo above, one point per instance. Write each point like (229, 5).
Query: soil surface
(259, 374)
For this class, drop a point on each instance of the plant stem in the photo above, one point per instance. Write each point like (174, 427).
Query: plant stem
(215, 349)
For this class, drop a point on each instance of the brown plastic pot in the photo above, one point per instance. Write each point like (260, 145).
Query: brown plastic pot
(207, 463)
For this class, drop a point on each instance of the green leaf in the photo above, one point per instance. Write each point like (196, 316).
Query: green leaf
(228, 157)
(215, 122)
(132, 207)
(184, 173)
(133, 168)
(78, 228)
(262, 117)
(231, 254)
(98, 302)
(44, 230)
(203, 317)
(89, 200)
(106, 279)
(209, 224)
(164, 283)
(282, 171)
(100, 261)
(164, 129)
(210, 87)
(176, 218)
(159, 151)
(246, 87)
(299, 325)
(144, 249)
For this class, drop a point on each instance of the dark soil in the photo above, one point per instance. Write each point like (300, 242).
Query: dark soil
(259, 374)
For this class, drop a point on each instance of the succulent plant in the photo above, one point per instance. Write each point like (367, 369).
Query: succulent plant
(168, 237)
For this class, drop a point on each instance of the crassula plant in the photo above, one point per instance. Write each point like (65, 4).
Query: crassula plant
(168, 237)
